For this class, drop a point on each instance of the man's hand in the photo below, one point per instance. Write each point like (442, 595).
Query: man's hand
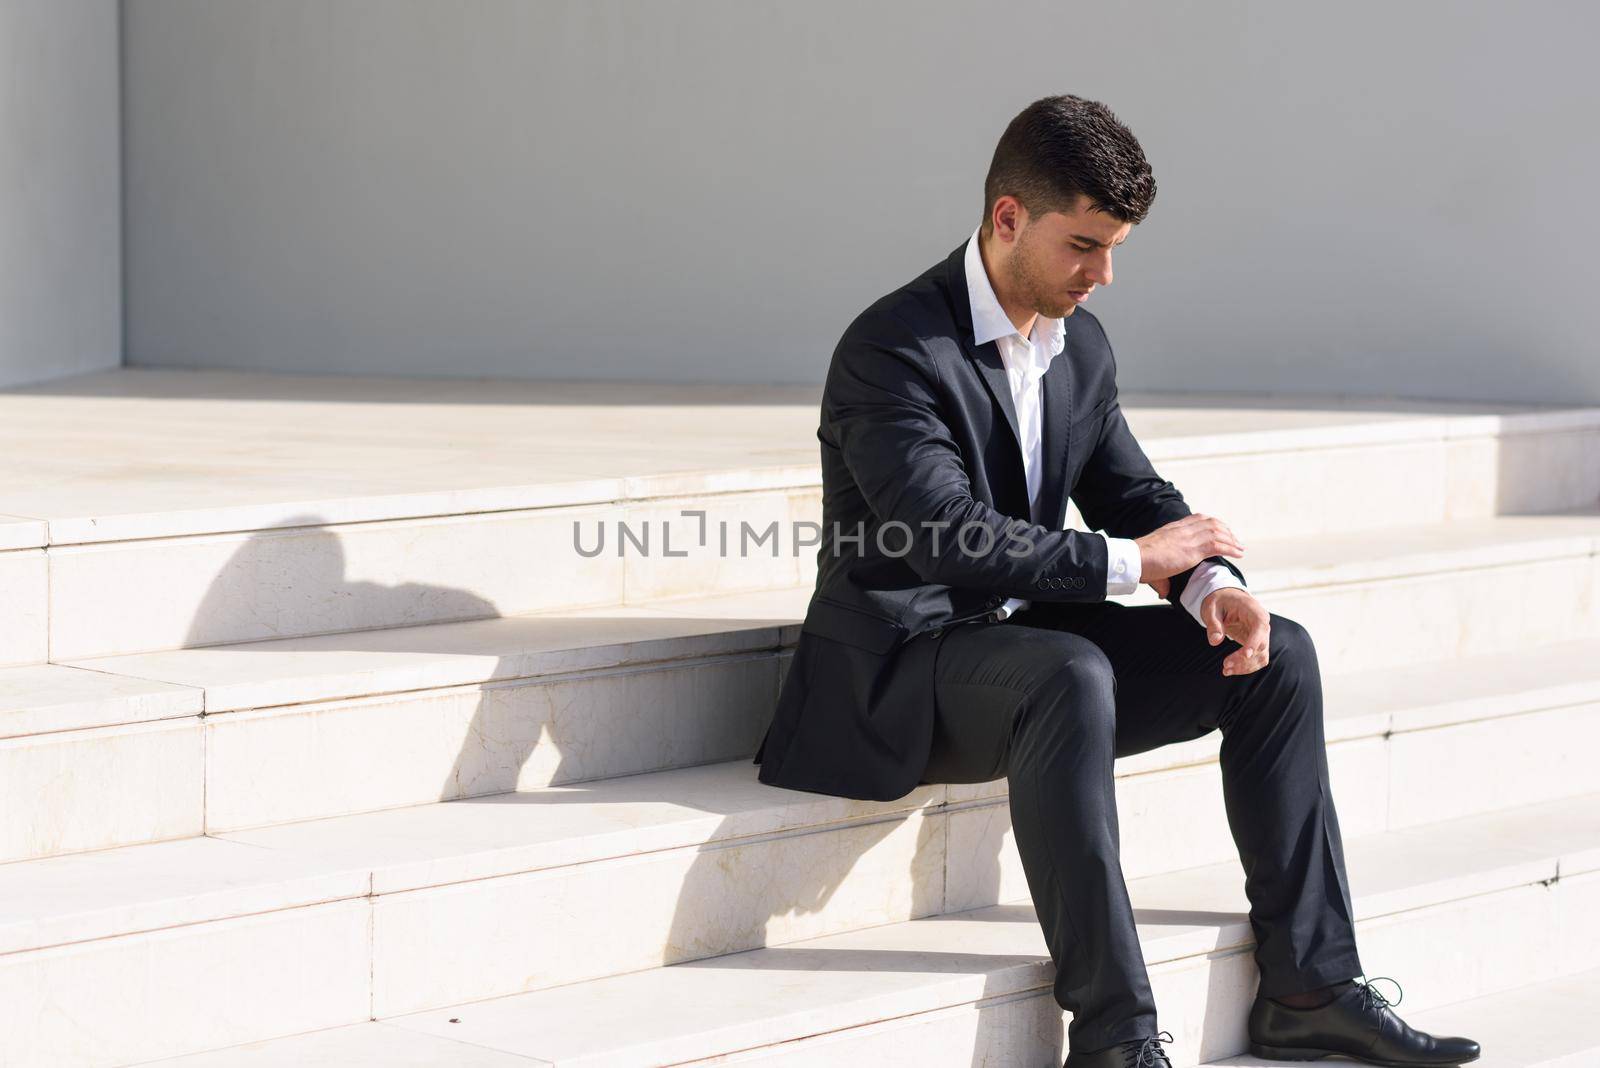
(1236, 614)
(1182, 544)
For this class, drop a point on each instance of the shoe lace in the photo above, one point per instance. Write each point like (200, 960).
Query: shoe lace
(1146, 1053)
(1371, 999)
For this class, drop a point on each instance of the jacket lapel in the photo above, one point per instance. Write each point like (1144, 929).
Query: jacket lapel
(993, 369)
(1057, 422)
(985, 357)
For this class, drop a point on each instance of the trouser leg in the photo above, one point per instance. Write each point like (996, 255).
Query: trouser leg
(1280, 808)
(1274, 770)
(1039, 708)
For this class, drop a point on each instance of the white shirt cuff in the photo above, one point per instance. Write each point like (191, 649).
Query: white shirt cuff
(1209, 577)
(1123, 564)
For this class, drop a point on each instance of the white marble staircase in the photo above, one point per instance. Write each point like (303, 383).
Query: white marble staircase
(418, 788)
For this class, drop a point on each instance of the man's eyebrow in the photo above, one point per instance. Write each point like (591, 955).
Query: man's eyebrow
(1092, 241)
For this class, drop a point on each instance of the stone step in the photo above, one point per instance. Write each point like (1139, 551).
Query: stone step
(24, 590)
(291, 727)
(1456, 910)
(1460, 589)
(106, 755)
(163, 558)
(1541, 1025)
(1271, 478)
(207, 452)
(1388, 597)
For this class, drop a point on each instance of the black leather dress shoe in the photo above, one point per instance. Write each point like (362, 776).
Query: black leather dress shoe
(1135, 1053)
(1357, 1023)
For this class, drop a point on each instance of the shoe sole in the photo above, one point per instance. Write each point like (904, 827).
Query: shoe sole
(1304, 1053)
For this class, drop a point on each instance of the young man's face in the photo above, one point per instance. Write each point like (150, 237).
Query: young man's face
(1060, 258)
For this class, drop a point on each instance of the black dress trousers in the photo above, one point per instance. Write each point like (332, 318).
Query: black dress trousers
(1047, 700)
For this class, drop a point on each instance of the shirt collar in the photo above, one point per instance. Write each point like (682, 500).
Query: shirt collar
(989, 319)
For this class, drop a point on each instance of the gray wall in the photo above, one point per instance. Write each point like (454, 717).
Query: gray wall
(60, 236)
(1363, 197)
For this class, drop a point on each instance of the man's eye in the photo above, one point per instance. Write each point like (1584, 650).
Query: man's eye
(1080, 248)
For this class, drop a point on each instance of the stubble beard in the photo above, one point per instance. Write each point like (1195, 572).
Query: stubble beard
(1026, 281)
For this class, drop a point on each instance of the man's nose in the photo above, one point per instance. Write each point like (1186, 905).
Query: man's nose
(1098, 268)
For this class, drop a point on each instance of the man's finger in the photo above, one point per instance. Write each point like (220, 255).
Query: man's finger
(1245, 660)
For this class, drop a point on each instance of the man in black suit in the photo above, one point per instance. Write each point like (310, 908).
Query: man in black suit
(959, 634)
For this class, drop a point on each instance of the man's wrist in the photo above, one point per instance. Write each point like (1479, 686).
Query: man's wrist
(1209, 577)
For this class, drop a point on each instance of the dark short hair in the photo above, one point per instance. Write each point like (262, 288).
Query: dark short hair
(1061, 147)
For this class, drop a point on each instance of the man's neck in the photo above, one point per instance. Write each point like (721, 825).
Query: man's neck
(1021, 316)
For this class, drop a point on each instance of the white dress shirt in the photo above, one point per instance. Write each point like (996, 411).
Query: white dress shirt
(1026, 359)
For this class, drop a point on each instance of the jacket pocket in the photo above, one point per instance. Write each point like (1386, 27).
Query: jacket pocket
(852, 626)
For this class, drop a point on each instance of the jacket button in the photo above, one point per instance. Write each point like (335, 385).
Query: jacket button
(1080, 583)
(1057, 583)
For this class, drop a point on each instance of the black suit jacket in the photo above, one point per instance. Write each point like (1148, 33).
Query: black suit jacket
(918, 429)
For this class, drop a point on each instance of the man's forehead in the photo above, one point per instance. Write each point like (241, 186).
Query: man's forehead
(1088, 225)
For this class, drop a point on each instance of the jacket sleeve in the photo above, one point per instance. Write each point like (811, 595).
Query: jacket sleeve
(1120, 492)
(881, 407)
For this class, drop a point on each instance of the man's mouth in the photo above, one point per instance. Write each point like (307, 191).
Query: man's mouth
(1078, 295)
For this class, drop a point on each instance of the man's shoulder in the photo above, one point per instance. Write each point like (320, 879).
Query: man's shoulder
(912, 315)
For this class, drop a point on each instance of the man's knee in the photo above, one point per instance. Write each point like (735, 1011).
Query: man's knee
(1292, 659)
(1289, 645)
(1291, 687)
(1081, 690)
